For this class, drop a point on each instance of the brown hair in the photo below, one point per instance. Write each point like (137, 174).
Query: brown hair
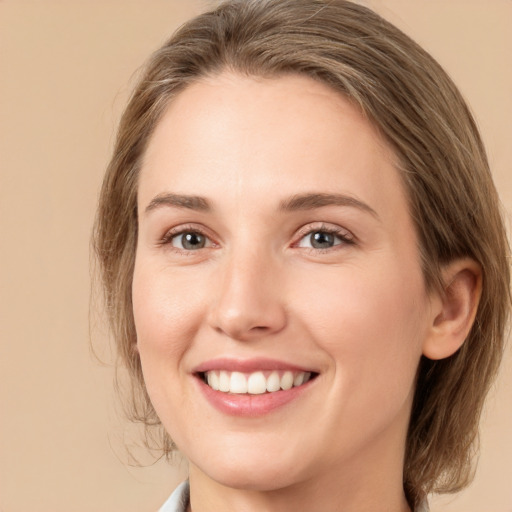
(413, 102)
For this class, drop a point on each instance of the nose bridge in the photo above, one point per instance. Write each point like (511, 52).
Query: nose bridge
(249, 303)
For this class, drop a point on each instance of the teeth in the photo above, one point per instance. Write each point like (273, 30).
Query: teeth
(299, 379)
(213, 380)
(273, 382)
(287, 380)
(238, 383)
(255, 383)
(224, 381)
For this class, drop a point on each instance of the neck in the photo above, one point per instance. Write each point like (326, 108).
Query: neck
(302, 497)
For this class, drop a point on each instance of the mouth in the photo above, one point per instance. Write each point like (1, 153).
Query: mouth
(252, 387)
(255, 383)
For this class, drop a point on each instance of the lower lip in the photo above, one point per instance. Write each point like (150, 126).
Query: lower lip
(250, 405)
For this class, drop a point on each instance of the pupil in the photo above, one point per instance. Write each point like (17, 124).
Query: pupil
(193, 241)
(322, 240)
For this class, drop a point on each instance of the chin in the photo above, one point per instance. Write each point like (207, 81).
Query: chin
(251, 474)
(248, 480)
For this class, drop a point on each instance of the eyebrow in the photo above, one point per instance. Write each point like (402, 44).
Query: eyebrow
(179, 201)
(308, 201)
(318, 200)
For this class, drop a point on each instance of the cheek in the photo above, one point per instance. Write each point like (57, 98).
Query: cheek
(164, 321)
(165, 314)
(163, 306)
(372, 324)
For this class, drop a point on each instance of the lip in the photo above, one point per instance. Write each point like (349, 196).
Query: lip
(246, 405)
(248, 365)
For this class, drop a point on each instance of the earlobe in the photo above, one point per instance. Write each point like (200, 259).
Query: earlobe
(455, 309)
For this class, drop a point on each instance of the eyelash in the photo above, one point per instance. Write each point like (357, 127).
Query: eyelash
(182, 230)
(344, 237)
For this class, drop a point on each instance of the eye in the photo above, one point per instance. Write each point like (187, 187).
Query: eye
(324, 238)
(189, 240)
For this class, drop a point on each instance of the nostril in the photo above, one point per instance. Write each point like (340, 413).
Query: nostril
(247, 307)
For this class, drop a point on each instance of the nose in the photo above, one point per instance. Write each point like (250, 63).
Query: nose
(249, 304)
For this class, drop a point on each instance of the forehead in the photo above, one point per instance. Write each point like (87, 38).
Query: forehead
(288, 132)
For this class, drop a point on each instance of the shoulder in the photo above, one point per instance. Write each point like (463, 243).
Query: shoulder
(178, 500)
(422, 506)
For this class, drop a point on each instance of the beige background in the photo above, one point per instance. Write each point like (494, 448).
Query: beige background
(65, 71)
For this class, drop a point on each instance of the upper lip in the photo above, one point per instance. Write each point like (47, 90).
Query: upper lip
(247, 365)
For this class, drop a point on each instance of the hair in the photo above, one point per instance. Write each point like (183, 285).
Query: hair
(404, 92)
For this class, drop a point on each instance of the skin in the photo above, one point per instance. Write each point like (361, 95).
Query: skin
(356, 313)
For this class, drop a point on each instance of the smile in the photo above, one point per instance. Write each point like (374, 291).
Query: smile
(254, 383)
(252, 387)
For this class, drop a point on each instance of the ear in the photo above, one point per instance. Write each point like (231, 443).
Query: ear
(453, 310)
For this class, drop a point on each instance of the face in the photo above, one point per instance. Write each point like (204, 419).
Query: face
(279, 302)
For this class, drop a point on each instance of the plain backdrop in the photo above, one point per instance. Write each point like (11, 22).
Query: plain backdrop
(66, 68)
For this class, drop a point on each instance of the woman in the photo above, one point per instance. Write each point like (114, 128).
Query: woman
(304, 263)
